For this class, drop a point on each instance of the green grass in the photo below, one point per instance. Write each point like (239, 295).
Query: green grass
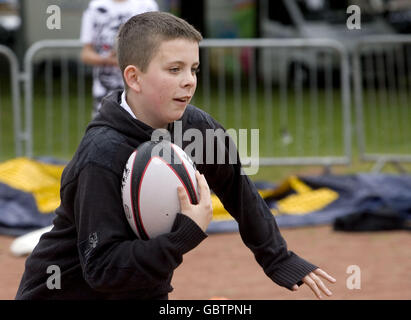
(315, 128)
(7, 149)
(278, 173)
(387, 118)
(313, 121)
(59, 119)
(53, 121)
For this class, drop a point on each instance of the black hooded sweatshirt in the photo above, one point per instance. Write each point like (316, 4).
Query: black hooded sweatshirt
(94, 250)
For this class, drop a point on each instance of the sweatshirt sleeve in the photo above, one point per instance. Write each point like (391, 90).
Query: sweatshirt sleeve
(257, 225)
(112, 258)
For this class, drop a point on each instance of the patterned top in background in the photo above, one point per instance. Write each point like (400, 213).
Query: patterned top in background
(100, 24)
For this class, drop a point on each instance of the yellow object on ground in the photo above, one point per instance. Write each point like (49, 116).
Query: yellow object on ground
(304, 200)
(43, 182)
(40, 179)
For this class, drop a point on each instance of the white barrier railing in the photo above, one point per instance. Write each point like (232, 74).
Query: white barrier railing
(382, 92)
(13, 91)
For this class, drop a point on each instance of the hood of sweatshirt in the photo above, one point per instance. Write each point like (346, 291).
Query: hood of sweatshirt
(111, 114)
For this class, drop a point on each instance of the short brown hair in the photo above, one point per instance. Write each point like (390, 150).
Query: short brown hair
(140, 37)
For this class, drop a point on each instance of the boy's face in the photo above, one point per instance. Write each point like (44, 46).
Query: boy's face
(170, 81)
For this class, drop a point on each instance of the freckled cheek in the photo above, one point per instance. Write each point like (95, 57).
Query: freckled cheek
(160, 93)
(158, 98)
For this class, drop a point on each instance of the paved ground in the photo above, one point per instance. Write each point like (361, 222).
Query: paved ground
(223, 267)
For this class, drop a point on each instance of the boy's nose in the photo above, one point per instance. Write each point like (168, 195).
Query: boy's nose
(189, 80)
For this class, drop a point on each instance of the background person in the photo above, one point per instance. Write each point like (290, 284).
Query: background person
(100, 24)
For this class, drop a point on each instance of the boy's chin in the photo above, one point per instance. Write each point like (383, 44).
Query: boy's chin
(177, 115)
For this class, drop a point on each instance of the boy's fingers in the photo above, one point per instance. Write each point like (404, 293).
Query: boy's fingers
(324, 274)
(182, 196)
(315, 283)
(320, 284)
(313, 286)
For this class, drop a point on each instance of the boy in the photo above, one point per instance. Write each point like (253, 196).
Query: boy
(91, 241)
(100, 24)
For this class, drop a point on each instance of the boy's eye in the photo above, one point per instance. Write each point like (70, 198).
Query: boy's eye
(178, 69)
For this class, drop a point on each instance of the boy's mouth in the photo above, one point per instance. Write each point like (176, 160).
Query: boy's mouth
(185, 99)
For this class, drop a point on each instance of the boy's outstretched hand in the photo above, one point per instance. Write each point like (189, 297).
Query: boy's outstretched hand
(315, 283)
(202, 214)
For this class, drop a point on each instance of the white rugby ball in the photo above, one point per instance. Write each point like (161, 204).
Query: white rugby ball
(149, 187)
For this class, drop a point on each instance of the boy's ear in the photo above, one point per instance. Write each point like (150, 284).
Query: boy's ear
(131, 76)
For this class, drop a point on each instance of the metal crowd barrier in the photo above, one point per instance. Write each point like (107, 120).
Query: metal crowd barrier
(382, 95)
(57, 98)
(10, 117)
(294, 91)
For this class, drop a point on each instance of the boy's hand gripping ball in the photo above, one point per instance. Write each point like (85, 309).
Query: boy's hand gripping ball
(149, 187)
